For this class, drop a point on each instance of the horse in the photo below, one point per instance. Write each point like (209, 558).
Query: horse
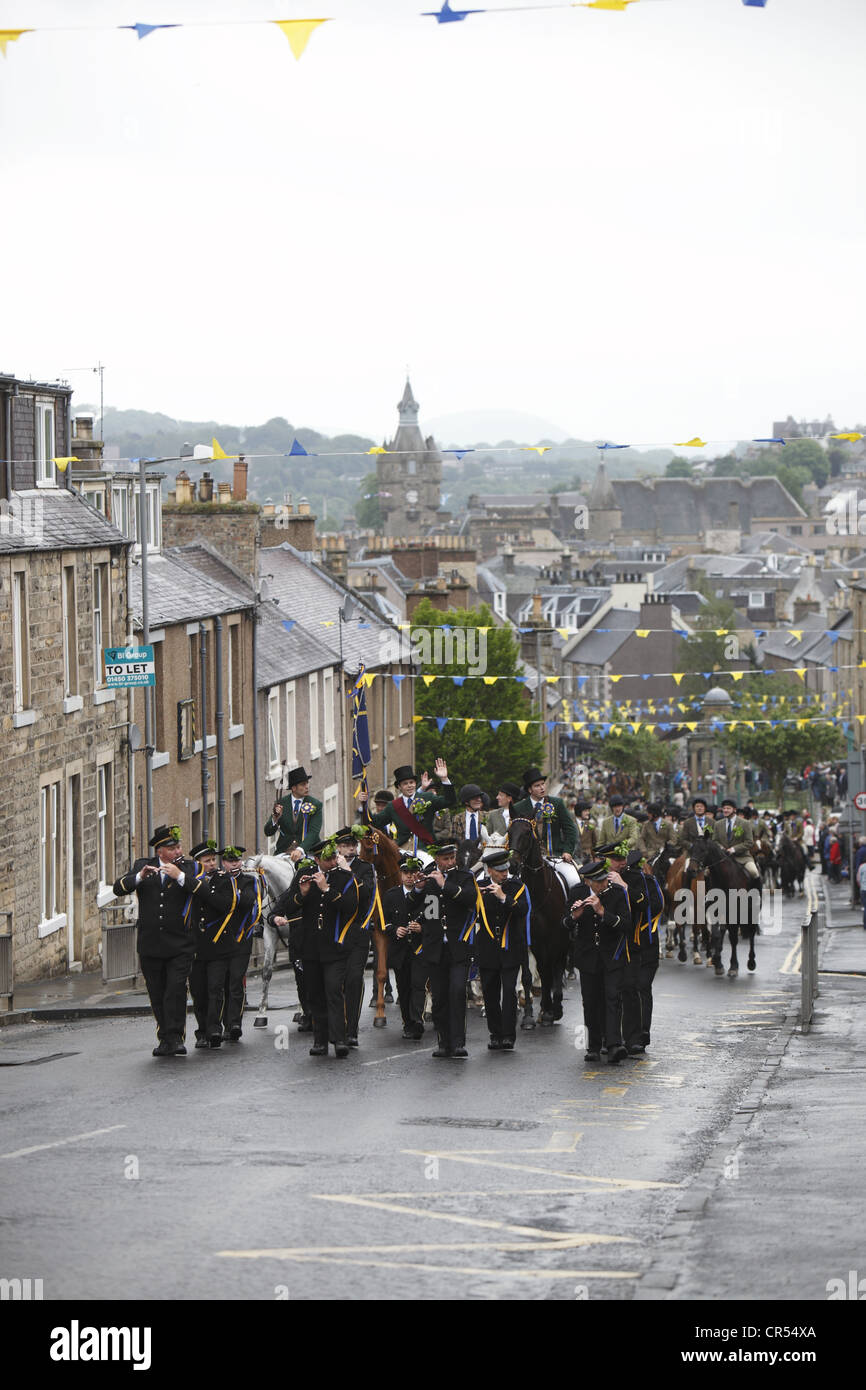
(382, 852)
(765, 859)
(277, 870)
(684, 876)
(547, 894)
(660, 867)
(729, 879)
(792, 864)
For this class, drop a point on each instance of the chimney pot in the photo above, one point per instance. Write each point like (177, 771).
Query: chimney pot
(83, 427)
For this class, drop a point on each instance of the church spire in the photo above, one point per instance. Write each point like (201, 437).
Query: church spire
(408, 406)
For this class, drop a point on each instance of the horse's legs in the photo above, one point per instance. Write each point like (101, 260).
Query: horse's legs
(751, 961)
(380, 942)
(528, 1020)
(697, 931)
(734, 967)
(270, 940)
(714, 953)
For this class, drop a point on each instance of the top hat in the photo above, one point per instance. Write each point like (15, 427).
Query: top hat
(404, 774)
(533, 774)
(298, 774)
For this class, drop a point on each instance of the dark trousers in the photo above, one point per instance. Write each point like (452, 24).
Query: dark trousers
(198, 990)
(448, 988)
(208, 985)
(592, 998)
(301, 985)
(500, 1001)
(411, 979)
(649, 964)
(354, 986)
(236, 985)
(166, 987)
(325, 982)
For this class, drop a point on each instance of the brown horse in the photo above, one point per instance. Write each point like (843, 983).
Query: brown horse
(549, 936)
(382, 852)
(683, 874)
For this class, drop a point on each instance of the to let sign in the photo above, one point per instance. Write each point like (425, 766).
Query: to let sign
(126, 666)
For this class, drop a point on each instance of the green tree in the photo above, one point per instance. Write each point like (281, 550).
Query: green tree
(480, 754)
(785, 748)
(680, 468)
(714, 645)
(639, 753)
(368, 513)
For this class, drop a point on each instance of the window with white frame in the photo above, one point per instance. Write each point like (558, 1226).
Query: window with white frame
(104, 822)
(45, 468)
(329, 810)
(235, 674)
(314, 716)
(291, 726)
(237, 817)
(101, 620)
(328, 703)
(50, 851)
(756, 598)
(274, 733)
(70, 631)
(398, 686)
(154, 518)
(499, 604)
(121, 512)
(20, 642)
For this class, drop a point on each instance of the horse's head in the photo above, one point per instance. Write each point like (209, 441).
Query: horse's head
(468, 853)
(523, 842)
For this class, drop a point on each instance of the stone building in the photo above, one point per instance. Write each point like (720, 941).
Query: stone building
(409, 475)
(64, 822)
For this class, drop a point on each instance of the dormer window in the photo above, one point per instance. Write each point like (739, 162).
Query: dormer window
(45, 469)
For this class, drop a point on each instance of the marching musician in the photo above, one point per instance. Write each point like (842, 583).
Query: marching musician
(207, 864)
(599, 910)
(446, 903)
(346, 840)
(502, 935)
(405, 953)
(236, 897)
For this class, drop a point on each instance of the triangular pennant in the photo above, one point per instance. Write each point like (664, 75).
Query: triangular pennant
(63, 463)
(801, 672)
(440, 724)
(551, 680)
(796, 632)
(642, 631)
(691, 726)
(738, 675)
(853, 436)
(467, 725)
(696, 443)
(142, 30)
(448, 16)
(636, 728)
(523, 725)
(416, 718)
(428, 680)
(377, 449)
(219, 452)
(564, 633)
(721, 631)
(398, 680)
(297, 450)
(490, 680)
(10, 36)
(369, 677)
(678, 675)
(298, 32)
(458, 680)
(536, 448)
(621, 5)
(616, 678)
(289, 623)
(494, 724)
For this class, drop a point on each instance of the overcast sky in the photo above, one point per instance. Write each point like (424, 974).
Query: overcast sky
(639, 226)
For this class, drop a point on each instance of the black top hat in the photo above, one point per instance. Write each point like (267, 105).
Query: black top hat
(404, 774)
(206, 847)
(298, 774)
(165, 835)
(470, 791)
(511, 789)
(533, 774)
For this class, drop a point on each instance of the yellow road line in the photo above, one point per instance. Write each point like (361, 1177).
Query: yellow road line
(791, 964)
(624, 1184)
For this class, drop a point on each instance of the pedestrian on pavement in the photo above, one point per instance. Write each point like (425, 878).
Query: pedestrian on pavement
(164, 886)
(861, 884)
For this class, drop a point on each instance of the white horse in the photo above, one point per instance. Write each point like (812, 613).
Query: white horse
(278, 871)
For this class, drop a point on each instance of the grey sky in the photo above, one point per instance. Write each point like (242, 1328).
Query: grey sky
(640, 226)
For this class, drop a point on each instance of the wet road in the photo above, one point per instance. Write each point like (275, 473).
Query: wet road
(260, 1172)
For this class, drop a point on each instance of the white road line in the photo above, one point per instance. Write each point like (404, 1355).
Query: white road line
(397, 1056)
(56, 1143)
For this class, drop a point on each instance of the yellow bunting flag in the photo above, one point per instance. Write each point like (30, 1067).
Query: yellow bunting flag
(642, 631)
(484, 629)
(619, 678)
(853, 436)
(551, 680)
(860, 718)
(750, 724)
(649, 728)
(738, 675)
(692, 727)
(523, 725)
(329, 623)
(635, 728)
(490, 680)
(298, 32)
(536, 448)
(678, 675)
(721, 631)
(796, 632)
(377, 449)
(621, 5)
(9, 36)
(577, 727)
(733, 724)
(219, 452)
(416, 718)
(369, 677)
(564, 633)
(801, 672)
(63, 464)
(428, 680)
(696, 443)
(467, 725)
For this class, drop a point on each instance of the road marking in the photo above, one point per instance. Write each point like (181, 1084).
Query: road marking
(56, 1143)
(628, 1184)
(397, 1056)
(460, 1269)
(791, 963)
(295, 1252)
(562, 1141)
(349, 1199)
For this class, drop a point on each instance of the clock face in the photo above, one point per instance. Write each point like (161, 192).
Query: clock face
(412, 497)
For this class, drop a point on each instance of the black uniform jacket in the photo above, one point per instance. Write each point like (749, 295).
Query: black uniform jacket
(230, 907)
(323, 925)
(401, 908)
(165, 923)
(502, 928)
(646, 902)
(447, 916)
(600, 941)
(365, 876)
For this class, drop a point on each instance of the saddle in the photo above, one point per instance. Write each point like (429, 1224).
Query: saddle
(565, 872)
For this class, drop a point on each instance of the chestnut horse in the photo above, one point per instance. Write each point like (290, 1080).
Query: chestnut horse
(382, 852)
(684, 874)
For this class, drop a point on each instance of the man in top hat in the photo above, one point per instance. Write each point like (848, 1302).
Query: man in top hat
(619, 827)
(326, 902)
(166, 942)
(555, 824)
(471, 822)
(296, 820)
(412, 809)
(696, 826)
(405, 954)
(501, 940)
(207, 863)
(587, 835)
(446, 905)
(600, 917)
(237, 898)
(735, 834)
(499, 818)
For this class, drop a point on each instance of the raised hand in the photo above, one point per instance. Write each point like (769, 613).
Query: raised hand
(440, 769)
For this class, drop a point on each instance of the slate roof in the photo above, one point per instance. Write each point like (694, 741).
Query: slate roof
(313, 597)
(684, 506)
(54, 519)
(283, 656)
(781, 648)
(181, 589)
(596, 647)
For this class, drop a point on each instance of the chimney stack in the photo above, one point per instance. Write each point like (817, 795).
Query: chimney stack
(225, 493)
(508, 560)
(205, 488)
(240, 479)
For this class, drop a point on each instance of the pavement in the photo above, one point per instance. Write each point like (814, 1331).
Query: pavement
(775, 1212)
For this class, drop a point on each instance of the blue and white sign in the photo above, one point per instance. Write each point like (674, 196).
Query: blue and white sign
(125, 666)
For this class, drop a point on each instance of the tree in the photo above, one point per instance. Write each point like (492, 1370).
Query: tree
(706, 651)
(479, 754)
(680, 468)
(368, 513)
(638, 753)
(778, 750)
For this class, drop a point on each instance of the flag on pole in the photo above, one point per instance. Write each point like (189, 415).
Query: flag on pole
(361, 755)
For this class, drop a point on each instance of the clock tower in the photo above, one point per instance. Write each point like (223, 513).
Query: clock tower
(409, 474)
